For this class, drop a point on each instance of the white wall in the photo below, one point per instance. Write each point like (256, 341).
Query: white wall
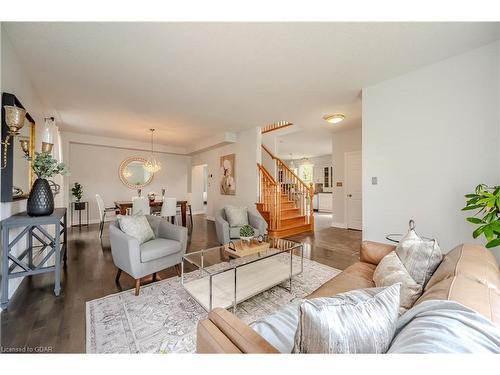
(14, 80)
(96, 167)
(342, 142)
(248, 153)
(430, 137)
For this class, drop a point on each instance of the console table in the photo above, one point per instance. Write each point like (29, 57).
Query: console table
(32, 228)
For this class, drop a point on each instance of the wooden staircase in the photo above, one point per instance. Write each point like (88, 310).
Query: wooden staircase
(285, 202)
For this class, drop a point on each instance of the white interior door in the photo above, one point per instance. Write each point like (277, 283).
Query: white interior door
(353, 190)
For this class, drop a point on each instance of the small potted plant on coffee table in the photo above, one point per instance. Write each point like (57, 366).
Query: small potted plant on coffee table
(77, 192)
(247, 233)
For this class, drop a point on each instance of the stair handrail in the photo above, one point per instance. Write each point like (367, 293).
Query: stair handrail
(268, 152)
(268, 196)
(275, 126)
(282, 163)
(268, 175)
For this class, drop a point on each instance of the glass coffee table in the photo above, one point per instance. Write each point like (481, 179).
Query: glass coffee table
(224, 278)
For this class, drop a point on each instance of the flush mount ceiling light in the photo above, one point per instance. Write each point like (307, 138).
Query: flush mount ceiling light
(335, 118)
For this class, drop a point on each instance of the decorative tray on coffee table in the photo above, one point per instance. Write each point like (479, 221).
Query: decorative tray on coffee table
(241, 248)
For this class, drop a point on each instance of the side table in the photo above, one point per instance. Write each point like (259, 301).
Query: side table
(33, 227)
(79, 207)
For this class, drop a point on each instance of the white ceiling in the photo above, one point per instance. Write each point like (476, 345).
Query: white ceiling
(304, 144)
(194, 80)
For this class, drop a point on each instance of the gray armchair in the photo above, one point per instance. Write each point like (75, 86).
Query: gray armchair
(226, 233)
(139, 260)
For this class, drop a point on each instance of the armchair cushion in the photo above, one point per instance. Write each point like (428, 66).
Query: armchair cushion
(137, 227)
(236, 216)
(234, 232)
(158, 248)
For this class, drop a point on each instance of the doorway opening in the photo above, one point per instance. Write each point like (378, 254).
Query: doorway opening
(199, 189)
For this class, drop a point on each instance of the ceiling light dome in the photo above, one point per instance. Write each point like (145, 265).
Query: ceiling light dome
(335, 118)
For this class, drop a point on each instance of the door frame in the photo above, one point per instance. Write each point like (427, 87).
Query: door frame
(346, 189)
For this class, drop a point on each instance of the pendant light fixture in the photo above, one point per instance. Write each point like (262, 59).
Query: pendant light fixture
(152, 165)
(48, 135)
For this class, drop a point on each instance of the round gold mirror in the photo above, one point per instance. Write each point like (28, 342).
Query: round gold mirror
(133, 174)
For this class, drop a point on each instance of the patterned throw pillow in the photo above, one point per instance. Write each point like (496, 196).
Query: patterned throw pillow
(236, 216)
(389, 271)
(136, 226)
(359, 321)
(420, 257)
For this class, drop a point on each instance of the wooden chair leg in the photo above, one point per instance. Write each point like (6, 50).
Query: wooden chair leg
(178, 269)
(137, 286)
(118, 274)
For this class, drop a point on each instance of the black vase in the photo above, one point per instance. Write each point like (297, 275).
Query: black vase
(41, 200)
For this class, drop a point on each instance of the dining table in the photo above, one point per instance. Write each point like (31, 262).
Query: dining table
(123, 205)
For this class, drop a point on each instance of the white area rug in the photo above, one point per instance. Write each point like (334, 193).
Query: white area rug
(163, 318)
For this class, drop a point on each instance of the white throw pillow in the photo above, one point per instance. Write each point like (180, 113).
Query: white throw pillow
(419, 256)
(136, 226)
(389, 271)
(359, 321)
(236, 216)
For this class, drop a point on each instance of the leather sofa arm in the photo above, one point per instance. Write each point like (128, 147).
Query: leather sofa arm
(373, 252)
(239, 333)
(210, 340)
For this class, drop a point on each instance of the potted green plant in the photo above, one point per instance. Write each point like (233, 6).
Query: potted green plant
(246, 233)
(77, 192)
(486, 200)
(41, 199)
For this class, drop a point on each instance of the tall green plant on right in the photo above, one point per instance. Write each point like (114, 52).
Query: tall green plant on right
(486, 200)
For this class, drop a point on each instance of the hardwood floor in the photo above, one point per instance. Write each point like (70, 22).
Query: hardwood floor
(39, 321)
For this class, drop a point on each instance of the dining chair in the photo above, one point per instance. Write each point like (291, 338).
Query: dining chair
(140, 206)
(189, 196)
(102, 212)
(169, 209)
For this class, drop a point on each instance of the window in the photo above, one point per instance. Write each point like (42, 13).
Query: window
(306, 172)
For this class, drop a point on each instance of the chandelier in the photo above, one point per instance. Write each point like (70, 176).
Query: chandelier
(152, 165)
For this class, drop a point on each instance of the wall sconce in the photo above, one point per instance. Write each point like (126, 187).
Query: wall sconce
(14, 118)
(25, 145)
(48, 135)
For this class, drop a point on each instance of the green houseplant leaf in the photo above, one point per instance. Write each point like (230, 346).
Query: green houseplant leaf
(486, 202)
(474, 220)
(493, 243)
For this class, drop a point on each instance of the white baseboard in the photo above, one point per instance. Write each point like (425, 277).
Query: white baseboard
(339, 225)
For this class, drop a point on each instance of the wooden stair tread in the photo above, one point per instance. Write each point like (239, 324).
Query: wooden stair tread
(294, 217)
(296, 225)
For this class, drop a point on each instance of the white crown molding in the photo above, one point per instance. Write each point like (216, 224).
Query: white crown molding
(216, 141)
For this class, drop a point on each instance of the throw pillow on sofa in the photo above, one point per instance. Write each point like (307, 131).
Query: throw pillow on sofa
(391, 270)
(420, 257)
(359, 321)
(236, 216)
(136, 226)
